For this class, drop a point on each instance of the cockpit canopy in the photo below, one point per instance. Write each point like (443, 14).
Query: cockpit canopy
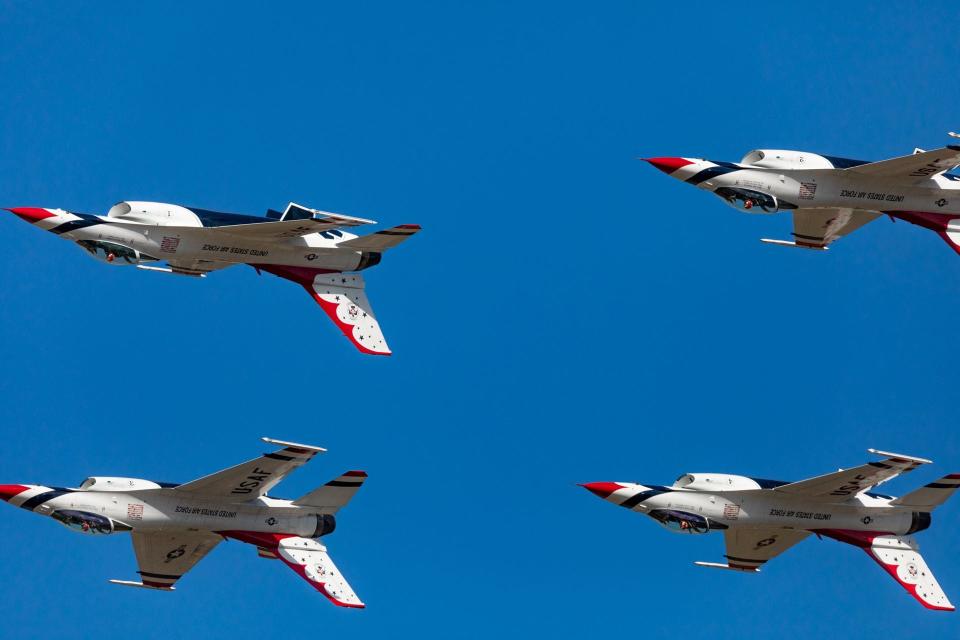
(83, 521)
(684, 521)
(115, 254)
(749, 200)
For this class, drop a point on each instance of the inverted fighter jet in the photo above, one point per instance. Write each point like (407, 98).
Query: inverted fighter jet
(305, 246)
(173, 526)
(760, 519)
(830, 197)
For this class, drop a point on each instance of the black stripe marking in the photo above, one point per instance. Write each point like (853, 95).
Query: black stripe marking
(634, 500)
(818, 239)
(879, 465)
(941, 485)
(712, 172)
(40, 498)
(736, 559)
(343, 483)
(85, 221)
(277, 456)
(394, 233)
(165, 576)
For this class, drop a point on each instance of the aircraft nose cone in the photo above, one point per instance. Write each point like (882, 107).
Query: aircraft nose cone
(602, 489)
(668, 165)
(31, 214)
(7, 491)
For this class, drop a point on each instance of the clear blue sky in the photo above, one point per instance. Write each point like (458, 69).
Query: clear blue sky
(568, 314)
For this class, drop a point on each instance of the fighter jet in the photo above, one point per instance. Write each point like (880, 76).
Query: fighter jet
(173, 526)
(829, 196)
(760, 519)
(306, 246)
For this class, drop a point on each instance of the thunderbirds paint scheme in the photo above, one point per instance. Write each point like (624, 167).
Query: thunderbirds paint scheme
(760, 519)
(174, 526)
(303, 245)
(830, 197)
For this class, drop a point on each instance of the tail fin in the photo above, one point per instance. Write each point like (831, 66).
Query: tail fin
(945, 225)
(899, 556)
(335, 494)
(932, 495)
(381, 240)
(343, 299)
(309, 558)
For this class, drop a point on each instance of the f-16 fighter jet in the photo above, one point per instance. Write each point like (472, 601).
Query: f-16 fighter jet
(760, 519)
(303, 245)
(830, 197)
(173, 526)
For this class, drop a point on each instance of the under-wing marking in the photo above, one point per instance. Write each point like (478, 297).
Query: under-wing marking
(749, 549)
(164, 558)
(914, 168)
(847, 483)
(817, 228)
(251, 479)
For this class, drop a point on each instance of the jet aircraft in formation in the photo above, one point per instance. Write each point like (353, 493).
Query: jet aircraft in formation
(173, 526)
(306, 246)
(760, 519)
(830, 197)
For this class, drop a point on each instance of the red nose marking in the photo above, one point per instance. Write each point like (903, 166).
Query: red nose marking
(668, 165)
(7, 491)
(602, 489)
(31, 214)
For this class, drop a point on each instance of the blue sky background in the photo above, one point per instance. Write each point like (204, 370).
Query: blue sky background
(569, 314)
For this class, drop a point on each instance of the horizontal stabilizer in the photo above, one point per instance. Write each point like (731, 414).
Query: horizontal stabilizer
(381, 240)
(131, 583)
(718, 565)
(335, 494)
(931, 495)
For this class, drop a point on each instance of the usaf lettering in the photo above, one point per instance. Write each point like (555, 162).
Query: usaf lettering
(254, 480)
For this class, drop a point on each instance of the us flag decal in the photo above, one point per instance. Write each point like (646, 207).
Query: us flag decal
(169, 244)
(731, 511)
(135, 511)
(807, 190)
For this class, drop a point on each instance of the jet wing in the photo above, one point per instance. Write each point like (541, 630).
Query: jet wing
(254, 478)
(846, 483)
(280, 230)
(165, 557)
(817, 228)
(913, 168)
(749, 549)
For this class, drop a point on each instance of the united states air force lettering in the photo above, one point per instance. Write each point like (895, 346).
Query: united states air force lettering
(871, 195)
(237, 250)
(200, 511)
(801, 515)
